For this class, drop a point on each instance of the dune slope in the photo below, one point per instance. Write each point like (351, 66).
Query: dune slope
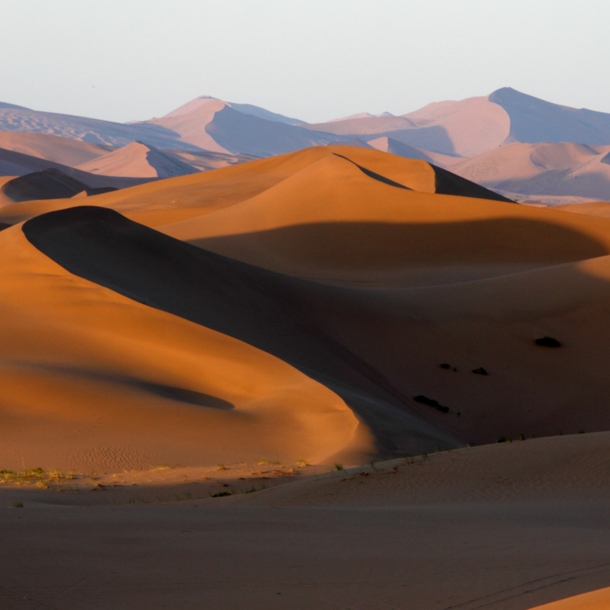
(235, 299)
(140, 161)
(94, 380)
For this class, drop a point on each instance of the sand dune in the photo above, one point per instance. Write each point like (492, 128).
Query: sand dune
(337, 306)
(562, 169)
(52, 148)
(217, 126)
(95, 380)
(139, 161)
(595, 600)
(417, 280)
(95, 131)
(16, 164)
(403, 232)
(473, 126)
(236, 300)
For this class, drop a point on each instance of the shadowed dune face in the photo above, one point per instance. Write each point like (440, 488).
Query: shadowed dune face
(377, 253)
(140, 161)
(543, 170)
(46, 184)
(94, 380)
(407, 280)
(233, 299)
(535, 120)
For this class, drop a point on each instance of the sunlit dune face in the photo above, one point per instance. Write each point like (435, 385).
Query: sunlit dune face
(596, 600)
(131, 386)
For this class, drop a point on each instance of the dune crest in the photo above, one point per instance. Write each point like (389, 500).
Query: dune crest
(139, 161)
(123, 403)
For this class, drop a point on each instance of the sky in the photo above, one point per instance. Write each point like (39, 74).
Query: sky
(316, 60)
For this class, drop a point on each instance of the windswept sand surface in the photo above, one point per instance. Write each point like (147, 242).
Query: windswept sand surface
(271, 326)
(507, 526)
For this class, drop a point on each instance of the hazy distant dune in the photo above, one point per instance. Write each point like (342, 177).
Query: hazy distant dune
(139, 161)
(556, 169)
(52, 148)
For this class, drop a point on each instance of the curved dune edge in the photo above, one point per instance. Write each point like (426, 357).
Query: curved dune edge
(184, 197)
(331, 222)
(595, 600)
(241, 301)
(94, 380)
(556, 469)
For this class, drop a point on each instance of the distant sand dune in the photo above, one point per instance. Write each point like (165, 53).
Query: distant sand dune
(139, 161)
(547, 170)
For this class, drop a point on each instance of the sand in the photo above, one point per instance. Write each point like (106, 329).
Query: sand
(52, 148)
(545, 171)
(87, 382)
(284, 318)
(140, 161)
(505, 527)
(595, 600)
(418, 280)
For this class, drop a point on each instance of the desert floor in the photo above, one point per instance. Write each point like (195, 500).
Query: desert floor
(504, 526)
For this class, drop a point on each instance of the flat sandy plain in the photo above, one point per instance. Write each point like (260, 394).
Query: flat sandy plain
(220, 379)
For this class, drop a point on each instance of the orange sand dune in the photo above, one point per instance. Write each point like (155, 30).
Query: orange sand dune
(189, 196)
(243, 302)
(94, 380)
(595, 600)
(331, 221)
(413, 280)
(594, 208)
(333, 305)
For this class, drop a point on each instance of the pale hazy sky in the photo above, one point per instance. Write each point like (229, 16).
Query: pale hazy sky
(313, 59)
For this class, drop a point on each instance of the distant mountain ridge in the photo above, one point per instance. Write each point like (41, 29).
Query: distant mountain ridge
(446, 133)
(463, 128)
